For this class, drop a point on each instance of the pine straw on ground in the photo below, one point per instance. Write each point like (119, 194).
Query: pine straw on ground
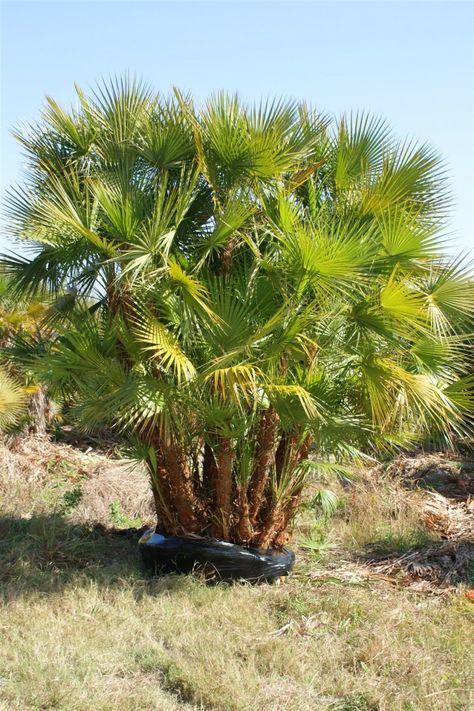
(434, 496)
(435, 570)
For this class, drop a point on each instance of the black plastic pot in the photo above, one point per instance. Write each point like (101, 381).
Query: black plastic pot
(217, 560)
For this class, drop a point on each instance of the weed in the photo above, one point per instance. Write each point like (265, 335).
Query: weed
(354, 702)
(71, 498)
(382, 516)
(316, 542)
(120, 519)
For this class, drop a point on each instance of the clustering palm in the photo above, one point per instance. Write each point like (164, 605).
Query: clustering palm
(246, 285)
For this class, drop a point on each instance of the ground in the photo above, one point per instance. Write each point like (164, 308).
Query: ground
(375, 616)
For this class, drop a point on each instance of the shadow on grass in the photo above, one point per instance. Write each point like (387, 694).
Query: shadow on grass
(47, 553)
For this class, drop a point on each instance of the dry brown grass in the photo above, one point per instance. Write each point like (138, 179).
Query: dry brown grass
(378, 511)
(138, 644)
(83, 629)
(36, 474)
(411, 502)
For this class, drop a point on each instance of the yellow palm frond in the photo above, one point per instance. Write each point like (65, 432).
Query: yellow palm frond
(12, 400)
(164, 347)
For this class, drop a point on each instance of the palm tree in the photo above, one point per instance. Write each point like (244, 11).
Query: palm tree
(245, 286)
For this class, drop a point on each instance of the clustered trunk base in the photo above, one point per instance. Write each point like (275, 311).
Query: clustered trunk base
(217, 560)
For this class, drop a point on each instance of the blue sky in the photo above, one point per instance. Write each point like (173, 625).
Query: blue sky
(411, 62)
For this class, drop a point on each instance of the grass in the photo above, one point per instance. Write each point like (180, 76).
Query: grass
(83, 628)
(380, 514)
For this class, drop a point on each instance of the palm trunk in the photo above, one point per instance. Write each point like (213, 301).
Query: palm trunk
(266, 436)
(182, 491)
(274, 529)
(175, 482)
(197, 468)
(209, 473)
(227, 255)
(39, 411)
(280, 454)
(272, 526)
(167, 521)
(244, 528)
(282, 537)
(223, 488)
(305, 448)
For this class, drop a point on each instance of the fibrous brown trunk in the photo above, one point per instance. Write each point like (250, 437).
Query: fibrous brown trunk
(181, 483)
(175, 475)
(244, 514)
(305, 448)
(274, 529)
(280, 454)
(292, 451)
(40, 411)
(209, 473)
(244, 528)
(227, 255)
(282, 537)
(197, 462)
(165, 512)
(223, 488)
(265, 454)
(272, 525)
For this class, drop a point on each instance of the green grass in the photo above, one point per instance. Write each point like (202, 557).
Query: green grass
(83, 628)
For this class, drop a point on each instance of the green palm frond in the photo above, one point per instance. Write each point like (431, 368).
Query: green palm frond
(327, 257)
(403, 304)
(166, 137)
(286, 395)
(194, 293)
(234, 383)
(397, 395)
(234, 214)
(412, 177)
(449, 293)
(406, 238)
(163, 346)
(361, 145)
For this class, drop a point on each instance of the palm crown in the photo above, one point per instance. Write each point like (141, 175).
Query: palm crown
(238, 286)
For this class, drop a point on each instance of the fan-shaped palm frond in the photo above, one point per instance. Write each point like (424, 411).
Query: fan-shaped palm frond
(12, 401)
